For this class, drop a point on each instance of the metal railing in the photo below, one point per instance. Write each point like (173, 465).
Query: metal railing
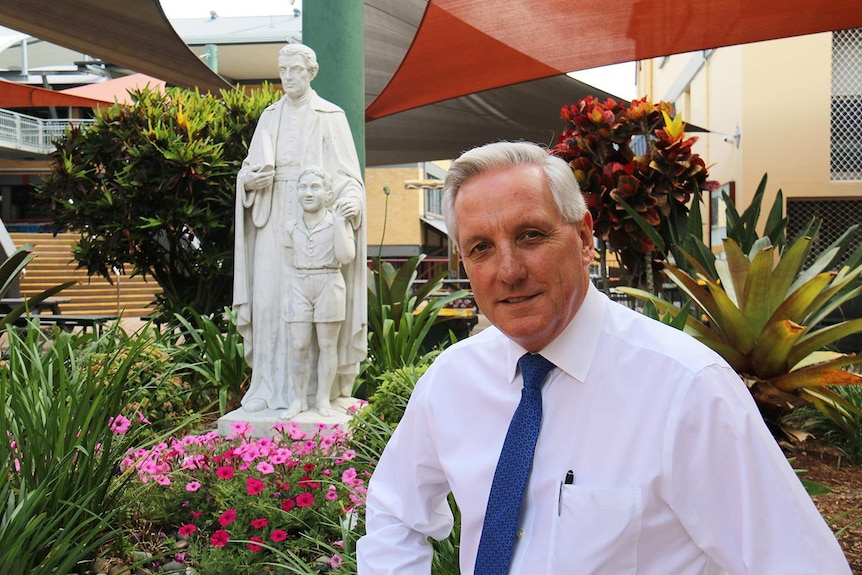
(32, 134)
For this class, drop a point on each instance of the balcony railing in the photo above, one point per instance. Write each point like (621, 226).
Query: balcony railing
(32, 134)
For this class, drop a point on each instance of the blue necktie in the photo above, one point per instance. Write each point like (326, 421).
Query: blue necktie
(513, 468)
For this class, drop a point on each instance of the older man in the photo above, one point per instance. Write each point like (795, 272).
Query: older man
(299, 130)
(640, 449)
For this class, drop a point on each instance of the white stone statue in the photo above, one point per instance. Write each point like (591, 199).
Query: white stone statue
(322, 241)
(299, 130)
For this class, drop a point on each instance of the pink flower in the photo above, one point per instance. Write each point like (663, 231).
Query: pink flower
(187, 529)
(278, 535)
(279, 427)
(240, 428)
(224, 472)
(220, 538)
(254, 485)
(265, 467)
(254, 539)
(335, 561)
(259, 523)
(349, 454)
(332, 494)
(193, 486)
(227, 517)
(119, 425)
(349, 477)
(305, 499)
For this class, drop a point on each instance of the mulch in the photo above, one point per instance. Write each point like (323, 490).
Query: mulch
(842, 508)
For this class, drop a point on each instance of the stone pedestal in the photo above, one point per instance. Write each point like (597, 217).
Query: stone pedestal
(262, 422)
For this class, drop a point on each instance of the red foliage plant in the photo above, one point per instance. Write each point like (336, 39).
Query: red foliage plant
(657, 181)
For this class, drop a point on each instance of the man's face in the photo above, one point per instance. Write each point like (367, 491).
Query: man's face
(295, 77)
(312, 193)
(527, 266)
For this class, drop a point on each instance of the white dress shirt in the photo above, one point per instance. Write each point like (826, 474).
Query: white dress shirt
(674, 471)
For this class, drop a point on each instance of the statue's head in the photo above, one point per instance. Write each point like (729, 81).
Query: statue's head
(303, 51)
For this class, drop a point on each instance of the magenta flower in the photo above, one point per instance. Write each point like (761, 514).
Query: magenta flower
(119, 425)
(224, 472)
(335, 561)
(241, 428)
(227, 517)
(287, 504)
(253, 544)
(278, 535)
(220, 538)
(187, 529)
(305, 499)
(259, 523)
(254, 485)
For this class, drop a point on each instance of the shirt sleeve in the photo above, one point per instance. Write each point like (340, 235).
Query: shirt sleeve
(406, 501)
(733, 489)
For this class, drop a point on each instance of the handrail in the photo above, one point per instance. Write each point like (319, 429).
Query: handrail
(32, 134)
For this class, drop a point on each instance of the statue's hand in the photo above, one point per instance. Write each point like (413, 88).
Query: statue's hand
(347, 207)
(259, 177)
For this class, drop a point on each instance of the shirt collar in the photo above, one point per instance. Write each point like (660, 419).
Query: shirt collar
(572, 351)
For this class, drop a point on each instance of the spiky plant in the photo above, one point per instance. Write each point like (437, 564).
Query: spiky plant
(763, 313)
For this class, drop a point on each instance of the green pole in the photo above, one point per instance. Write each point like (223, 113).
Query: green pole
(334, 29)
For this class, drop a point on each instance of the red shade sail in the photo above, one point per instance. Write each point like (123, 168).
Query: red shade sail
(468, 46)
(14, 95)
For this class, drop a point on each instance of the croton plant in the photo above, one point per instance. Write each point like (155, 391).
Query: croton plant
(657, 183)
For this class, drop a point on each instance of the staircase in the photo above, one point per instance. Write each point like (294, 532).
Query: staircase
(54, 264)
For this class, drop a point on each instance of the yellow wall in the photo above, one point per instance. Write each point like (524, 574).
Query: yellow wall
(778, 93)
(405, 206)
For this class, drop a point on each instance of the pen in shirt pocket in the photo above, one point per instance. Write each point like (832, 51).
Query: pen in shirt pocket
(569, 480)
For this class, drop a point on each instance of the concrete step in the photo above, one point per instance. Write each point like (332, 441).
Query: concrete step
(54, 264)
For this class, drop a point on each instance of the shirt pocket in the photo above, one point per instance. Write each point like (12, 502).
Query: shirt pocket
(596, 531)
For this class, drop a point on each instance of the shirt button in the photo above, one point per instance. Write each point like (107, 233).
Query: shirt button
(520, 534)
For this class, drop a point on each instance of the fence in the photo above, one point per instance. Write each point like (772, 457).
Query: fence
(32, 134)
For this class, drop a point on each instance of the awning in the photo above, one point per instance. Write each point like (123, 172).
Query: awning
(14, 95)
(424, 57)
(473, 45)
(116, 90)
(435, 223)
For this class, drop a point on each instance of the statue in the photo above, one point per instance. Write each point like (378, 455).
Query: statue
(322, 241)
(299, 130)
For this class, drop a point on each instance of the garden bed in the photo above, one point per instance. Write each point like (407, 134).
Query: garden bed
(843, 507)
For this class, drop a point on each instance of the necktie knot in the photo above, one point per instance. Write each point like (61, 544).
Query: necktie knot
(534, 369)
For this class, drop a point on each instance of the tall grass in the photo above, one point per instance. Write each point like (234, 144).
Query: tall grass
(60, 494)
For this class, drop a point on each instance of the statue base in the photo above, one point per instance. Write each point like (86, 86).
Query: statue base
(262, 422)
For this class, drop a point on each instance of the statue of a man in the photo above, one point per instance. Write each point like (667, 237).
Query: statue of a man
(299, 130)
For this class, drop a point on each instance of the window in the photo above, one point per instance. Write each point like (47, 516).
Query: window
(836, 216)
(846, 116)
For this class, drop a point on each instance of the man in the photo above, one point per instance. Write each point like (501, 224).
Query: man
(651, 457)
(299, 130)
